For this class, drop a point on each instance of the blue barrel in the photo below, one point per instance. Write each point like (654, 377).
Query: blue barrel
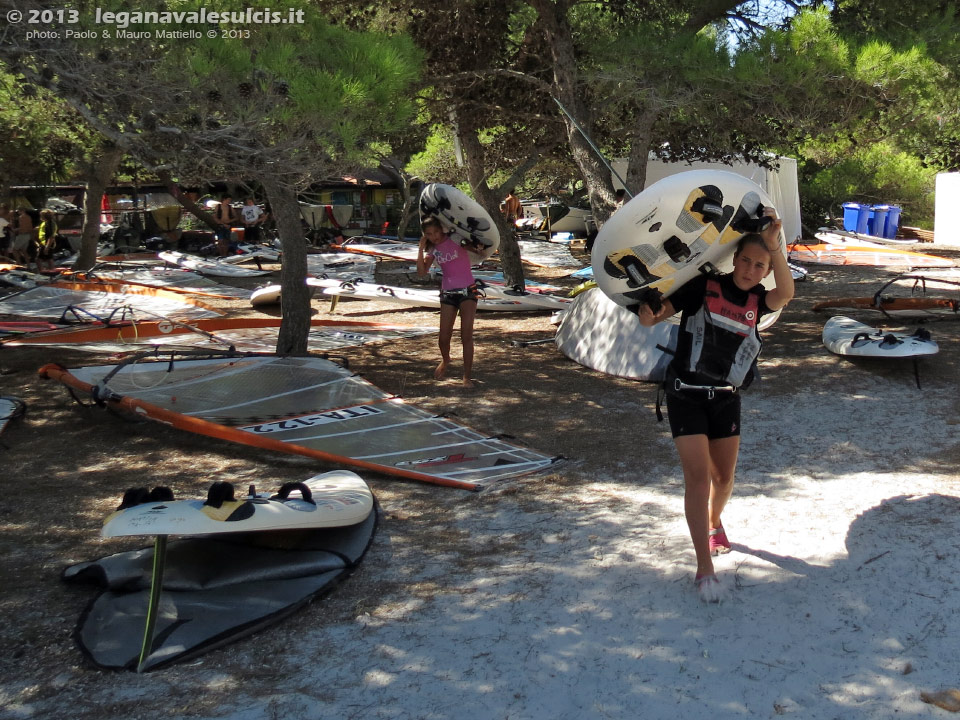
(851, 216)
(892, 224)
(878, 218)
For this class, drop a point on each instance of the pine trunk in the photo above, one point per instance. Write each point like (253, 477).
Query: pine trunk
(476, 174)
(566, 83)
(100, 176)
(295, 305)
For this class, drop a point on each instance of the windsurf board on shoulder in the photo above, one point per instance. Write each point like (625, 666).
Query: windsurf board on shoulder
(208, 267)
(332, 499)
(676, 229)
(848, 337)
(463, 218)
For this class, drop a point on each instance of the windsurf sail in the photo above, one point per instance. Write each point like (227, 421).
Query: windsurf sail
(342, 265)
(307, 406)
(544, 254)
(238, 334)
(219, 267)
(380, 247)
(178, 280)
(101, 300)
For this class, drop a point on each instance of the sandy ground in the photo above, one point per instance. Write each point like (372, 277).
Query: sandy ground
(562, 595)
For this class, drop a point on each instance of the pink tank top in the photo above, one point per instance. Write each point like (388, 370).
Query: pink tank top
(455, 264)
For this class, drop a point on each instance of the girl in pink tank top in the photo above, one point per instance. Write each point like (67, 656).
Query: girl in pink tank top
(458, 293)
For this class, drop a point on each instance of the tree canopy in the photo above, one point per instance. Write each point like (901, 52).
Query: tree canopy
(865, 95)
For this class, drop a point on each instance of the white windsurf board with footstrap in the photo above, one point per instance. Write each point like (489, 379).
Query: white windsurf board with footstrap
(332, 499)
(676, 229)
(422, 298)
(270, 294)
(845, 336)
(462, 217)
(541, 300)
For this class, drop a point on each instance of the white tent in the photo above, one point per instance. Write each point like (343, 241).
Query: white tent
(780, 184)
(946, 227)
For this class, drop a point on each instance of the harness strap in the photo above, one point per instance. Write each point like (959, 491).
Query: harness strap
(711, 390)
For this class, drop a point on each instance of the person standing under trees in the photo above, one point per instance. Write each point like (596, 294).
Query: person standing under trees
(252, 217)
(46, 240)
(512, 208)
(22, 238)
(716, 352)
(6, 229)
(620, 199)
(458, 293)
(225, 218)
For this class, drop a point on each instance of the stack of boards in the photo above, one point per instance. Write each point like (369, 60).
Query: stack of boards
(245, 563)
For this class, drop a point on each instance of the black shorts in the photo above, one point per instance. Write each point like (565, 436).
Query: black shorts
(458, 295)
(692, 413)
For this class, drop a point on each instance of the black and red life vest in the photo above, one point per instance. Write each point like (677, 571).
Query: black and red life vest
(725, 342)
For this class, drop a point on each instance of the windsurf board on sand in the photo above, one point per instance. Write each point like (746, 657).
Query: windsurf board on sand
(462, 217)
(541, 300)
(11, 408)
(331, 499)
(848, 337)
(206, 589)
(270, 294)
(895, 307)
(832, 236)
(864, 253)
(422, 298)
(208, 267)
(676, 229)
(19, 277)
